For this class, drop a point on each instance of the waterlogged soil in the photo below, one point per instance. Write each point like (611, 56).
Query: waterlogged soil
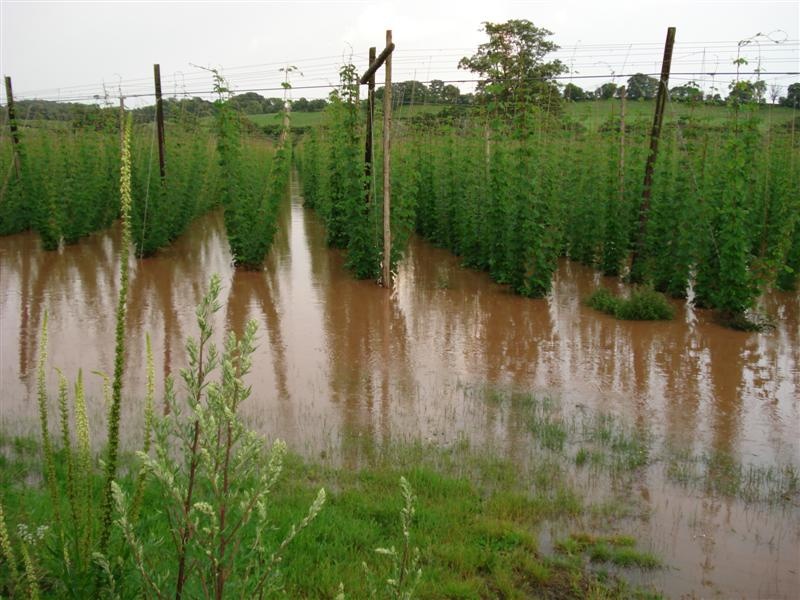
(343, 365)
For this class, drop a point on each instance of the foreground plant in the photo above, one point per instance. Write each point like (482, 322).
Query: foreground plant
(119, 352)
(405, 570)
(213, 501)
(214, 497)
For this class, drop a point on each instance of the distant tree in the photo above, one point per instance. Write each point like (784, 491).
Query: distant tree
(792, 99)
(317, 104)
(606, 91)
(574, 93)
(642, 87)
(300, 105)
(745, 91)
(435, 89)
(249, 103)
(405, 92)
(512, 64)
(774, 92)
(466, 99)
(686, 93)
(450, 94)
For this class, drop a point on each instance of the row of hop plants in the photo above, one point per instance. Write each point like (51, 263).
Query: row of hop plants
(488, 191)
(192, 517)
(67, 186)
(255, 178)
(336, 184)
(724, 218)
(163, 208)
(512, 194)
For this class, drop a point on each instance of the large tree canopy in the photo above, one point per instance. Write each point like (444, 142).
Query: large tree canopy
(792, 98)
(744, 91)
(575, 93)
(642, 87)
(512, 64)
(606, 91)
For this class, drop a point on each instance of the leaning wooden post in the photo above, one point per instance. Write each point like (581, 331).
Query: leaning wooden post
(622, 144)
(636, 275)
(368, 142)
(387, 183)
(12, 125)
(160, 121)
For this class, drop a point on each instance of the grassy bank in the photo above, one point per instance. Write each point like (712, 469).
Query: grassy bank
(476, 524)
(479, 514)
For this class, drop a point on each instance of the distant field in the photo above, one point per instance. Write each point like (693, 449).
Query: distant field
(591, 113)
(312, 119)
(298, 119)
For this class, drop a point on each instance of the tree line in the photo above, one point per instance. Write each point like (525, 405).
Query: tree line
(644, 87)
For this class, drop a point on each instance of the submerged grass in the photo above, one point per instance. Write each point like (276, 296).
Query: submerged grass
(720, 474)
(618, 550)
(602, 441)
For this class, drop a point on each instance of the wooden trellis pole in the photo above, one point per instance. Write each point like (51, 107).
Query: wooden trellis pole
(622, 144)
(370, 117)
(637, 275)
(160, 121)
(384, 58)
(387, 172)
(12, 125)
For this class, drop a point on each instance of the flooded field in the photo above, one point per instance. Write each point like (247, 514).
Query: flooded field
(341, 360)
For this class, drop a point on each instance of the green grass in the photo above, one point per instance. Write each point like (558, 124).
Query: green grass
(314, 119)
(478, 514)
(591, 114)
(644, 304)
(476, 524)
(298, 119)
(618, 550)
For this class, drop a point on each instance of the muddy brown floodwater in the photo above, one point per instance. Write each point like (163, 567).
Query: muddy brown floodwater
(340, 358)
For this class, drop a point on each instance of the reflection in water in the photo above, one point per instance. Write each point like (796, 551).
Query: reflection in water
(342, 360)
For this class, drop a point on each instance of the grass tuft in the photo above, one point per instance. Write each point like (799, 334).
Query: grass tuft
(644, 304)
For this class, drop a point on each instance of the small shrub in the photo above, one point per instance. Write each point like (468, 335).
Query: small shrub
(644, 304)
(604, 300)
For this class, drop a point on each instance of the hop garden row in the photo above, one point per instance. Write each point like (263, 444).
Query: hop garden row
(67, 186)
(511, 193)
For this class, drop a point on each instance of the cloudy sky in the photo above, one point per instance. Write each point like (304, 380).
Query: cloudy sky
(69, 50)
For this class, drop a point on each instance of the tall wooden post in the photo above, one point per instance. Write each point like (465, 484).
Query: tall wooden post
(368, 142)
(12, 125)
(622, 144)
(160, 121)
(636, 275)
(387, 180)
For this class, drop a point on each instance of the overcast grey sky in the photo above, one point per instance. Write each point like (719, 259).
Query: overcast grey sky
(68, 49)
